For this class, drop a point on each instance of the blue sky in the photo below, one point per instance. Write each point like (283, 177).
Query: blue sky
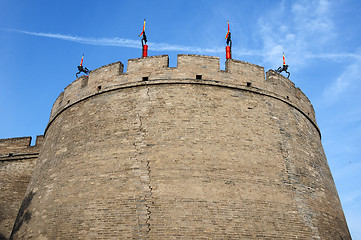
(41, 43)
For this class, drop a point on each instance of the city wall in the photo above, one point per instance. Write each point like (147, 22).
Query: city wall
(190, 152)
(17, 161)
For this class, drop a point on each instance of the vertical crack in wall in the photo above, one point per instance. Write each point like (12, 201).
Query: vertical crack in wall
(148, 93)
(293, 179)
(141, 169)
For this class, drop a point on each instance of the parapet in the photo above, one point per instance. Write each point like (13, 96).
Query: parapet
(246, 72)
(19, 148)
(191, 69)
(190, 62)
(147, 64)
(281, 85)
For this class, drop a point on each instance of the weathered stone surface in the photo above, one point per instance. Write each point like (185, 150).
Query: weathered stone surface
(17, 161)
(190, 152)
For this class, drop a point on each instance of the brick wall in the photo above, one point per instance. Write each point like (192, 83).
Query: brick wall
(161, 153)
(17, 161)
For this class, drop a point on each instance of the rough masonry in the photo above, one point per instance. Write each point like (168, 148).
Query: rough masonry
(191, 152)
(17, 161)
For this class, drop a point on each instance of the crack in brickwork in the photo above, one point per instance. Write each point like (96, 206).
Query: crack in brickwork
(148, 93)
(148, 172)
(141, 168)
(145, 179)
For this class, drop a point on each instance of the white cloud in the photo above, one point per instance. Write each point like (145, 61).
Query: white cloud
(301, 31)
(347, 81)
(313, 19)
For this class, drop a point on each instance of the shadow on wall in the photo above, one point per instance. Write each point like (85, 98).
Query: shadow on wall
(2, 237)
(23, 215)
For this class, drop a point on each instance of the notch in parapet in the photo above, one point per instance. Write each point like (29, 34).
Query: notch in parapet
(194, 62)
(9, 145)
(12, 148)
(148, 64)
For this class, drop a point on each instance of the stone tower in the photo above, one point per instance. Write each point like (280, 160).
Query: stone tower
(191, 152)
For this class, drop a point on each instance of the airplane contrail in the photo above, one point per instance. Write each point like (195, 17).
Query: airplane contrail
(131, 43)
(121, 42)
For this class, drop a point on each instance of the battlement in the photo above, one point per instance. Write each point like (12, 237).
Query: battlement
(191, 69)
(13, 148)
(147, 65)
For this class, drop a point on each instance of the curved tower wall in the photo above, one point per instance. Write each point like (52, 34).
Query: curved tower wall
(189, 152)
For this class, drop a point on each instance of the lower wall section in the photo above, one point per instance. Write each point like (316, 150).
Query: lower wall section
(181, 161)
(14, 179)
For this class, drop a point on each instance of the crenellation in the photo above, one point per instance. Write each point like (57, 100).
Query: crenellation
(244, 72)
(105, 74)
(73, 90)
(190, 62)
(148, 64)
(8, 144)
(39, 141)
(78, 89)
(19, 145)
(13, 149)
(189, 66)
(194, 69)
